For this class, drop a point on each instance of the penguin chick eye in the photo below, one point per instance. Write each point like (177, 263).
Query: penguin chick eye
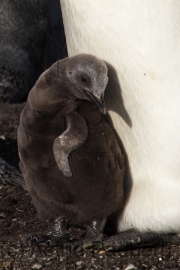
(83, 79)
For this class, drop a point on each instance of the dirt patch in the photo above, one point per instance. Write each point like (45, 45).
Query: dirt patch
(18, 219)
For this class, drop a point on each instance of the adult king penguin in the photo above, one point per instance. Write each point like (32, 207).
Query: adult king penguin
(141, 41)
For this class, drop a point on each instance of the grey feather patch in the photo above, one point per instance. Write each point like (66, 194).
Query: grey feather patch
(72, 138)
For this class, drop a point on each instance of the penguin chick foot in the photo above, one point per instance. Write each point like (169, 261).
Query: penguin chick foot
(94, 233)
(56, 235)
(132, 239)
(46, 239)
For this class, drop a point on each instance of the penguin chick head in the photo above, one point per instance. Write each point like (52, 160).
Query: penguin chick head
(88, 77)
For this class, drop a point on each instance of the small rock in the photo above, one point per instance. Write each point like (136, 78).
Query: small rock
(130, 266)
(62, 259)
(79, 263)
(14, 219)
(36, 266)
(101, 252)
(153, 267)
(7, 265)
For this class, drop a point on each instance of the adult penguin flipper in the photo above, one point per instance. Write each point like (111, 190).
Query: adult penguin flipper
(72, 138)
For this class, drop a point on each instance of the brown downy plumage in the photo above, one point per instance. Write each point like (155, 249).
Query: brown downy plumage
(70, 159)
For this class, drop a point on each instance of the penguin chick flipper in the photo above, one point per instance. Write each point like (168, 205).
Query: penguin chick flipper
(56, 236)
(72, 138)
(94, 233)
(133, 239)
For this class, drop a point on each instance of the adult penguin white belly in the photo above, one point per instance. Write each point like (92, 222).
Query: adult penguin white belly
(141, 40)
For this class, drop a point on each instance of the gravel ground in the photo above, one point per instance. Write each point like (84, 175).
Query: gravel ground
(18, 219)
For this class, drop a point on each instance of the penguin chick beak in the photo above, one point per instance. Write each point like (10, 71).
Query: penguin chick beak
(99, 101)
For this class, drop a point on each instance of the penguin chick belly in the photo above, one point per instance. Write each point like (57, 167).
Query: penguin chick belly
(95, 189)
(97, 168)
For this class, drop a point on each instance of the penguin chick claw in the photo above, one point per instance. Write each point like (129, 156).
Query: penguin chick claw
(94, 232)
(48, 240)
(57, 235)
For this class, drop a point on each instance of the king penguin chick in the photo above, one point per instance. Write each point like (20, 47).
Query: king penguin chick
(69, 156)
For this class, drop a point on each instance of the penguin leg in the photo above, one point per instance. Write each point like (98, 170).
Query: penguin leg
(133, 239)
(94, 232)
(72, 138)
(57, 234)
